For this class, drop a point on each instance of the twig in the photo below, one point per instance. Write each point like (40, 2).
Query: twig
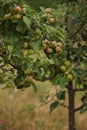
(79, 108)
(73, 35)
(80, 90)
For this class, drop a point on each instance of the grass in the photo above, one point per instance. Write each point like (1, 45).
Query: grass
(19, 111)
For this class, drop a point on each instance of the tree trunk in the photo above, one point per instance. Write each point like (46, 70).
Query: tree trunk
(72, 125)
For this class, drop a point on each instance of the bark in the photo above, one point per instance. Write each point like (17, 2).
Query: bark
(71, 113)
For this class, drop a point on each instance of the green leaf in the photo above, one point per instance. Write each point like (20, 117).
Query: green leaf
(27, 21)
(62, 82)
(34, 87)
(10, 48)
(84, 109)
(57, 79)
(53, 106)
(61, 95)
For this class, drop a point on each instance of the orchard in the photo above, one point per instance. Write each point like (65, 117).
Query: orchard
(48, 44)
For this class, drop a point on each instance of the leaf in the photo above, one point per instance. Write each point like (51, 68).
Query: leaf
(10, 48)
(61, 95)
(84, 109)
(27, 21)
(53, 106)
(57, 79)
(62, 82)
(34, 87)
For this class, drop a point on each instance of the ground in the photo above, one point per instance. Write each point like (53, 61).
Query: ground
(23, 110)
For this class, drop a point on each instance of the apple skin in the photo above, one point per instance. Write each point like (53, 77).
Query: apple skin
(18, 9)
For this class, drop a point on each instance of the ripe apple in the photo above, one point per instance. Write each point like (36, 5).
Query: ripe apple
(18, 9)
(48, 10)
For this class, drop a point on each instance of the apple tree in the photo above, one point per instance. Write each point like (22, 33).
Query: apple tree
(50, 44)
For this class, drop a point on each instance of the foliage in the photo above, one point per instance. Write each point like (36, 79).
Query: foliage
(50, 44)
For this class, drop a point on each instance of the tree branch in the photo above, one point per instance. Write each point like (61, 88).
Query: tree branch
(79, 108)
(80, 90)
(73, 35)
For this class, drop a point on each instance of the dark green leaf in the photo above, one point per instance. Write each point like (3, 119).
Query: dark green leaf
(53, 106)
(34, 87)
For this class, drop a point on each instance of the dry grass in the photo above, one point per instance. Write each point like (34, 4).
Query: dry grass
(18, 111)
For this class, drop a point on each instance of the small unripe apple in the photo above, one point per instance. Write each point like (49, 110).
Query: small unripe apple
(67, 63)
(48, 10)
(46, 41)
(63, 68)
(49, 50)
(60, 44)
(18, 16)
(54, 43)
(25, 45)
(69, 77)
(58, 49)
(18, 9)
(44, 46)
(52, 20)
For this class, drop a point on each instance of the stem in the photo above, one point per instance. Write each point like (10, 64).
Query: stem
(71, 95)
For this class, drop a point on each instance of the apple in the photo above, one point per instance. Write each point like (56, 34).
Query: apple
(54, 43)
(67, 63)
(18, 9)
(60, 44)
(63, 68)
(25, 45)
(58, 49)
(18, 16)
(44, 46)
(52, 20)
(49, 50)
(69, 77)
(48, 10)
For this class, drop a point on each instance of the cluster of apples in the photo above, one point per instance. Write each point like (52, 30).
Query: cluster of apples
(14, 14)
(48, 16)
(52, 47)
(66, 69)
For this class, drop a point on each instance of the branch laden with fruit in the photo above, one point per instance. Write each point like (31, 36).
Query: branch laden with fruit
(36, 46)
